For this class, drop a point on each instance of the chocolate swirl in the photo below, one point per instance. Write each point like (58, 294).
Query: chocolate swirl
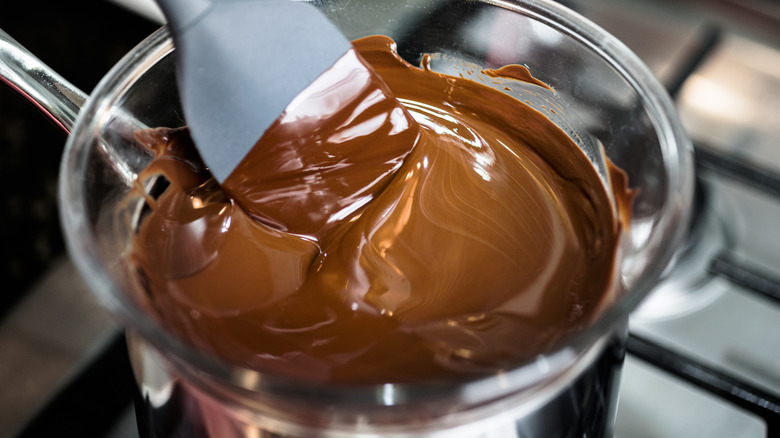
(490, 241)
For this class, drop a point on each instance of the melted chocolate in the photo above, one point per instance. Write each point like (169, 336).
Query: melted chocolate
(322, 159)
(490, 241)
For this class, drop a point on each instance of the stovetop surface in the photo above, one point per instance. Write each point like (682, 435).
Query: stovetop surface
(720, 60)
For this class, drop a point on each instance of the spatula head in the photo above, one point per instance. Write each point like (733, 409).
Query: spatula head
(241, 62)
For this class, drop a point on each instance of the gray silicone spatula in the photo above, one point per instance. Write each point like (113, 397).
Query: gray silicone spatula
(240, 64)
(335, 134)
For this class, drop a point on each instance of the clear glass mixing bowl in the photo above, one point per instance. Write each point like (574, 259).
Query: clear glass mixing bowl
(599, 83)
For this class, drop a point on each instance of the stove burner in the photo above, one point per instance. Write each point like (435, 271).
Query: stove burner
(689, 284)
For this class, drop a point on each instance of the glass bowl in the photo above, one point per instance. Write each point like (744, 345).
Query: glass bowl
(599, 83)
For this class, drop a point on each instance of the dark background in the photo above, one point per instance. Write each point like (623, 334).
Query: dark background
(81, 41)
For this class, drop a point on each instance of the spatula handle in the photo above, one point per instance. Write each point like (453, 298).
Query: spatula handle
(182, 13)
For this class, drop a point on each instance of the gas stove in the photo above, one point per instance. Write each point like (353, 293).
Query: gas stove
(704, 359)
(704, 356)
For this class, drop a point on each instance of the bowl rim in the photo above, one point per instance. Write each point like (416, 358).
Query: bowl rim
(676, 148)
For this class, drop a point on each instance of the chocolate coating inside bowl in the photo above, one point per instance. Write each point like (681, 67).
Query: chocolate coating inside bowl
(492, 239)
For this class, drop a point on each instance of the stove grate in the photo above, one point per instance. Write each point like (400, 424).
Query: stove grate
(719, 384)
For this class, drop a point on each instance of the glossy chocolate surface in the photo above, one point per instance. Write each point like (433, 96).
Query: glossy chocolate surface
(487, 239)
